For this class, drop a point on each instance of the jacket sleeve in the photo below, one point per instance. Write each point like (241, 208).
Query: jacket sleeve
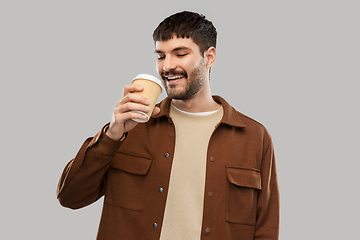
(83, 179)
(268, 211)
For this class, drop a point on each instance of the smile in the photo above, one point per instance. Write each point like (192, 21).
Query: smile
(172, 78)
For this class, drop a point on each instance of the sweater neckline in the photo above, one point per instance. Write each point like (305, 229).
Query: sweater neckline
(200, 117)
(196, 113)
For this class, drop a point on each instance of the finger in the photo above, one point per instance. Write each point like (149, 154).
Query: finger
(132, 88)
(131, 106)
(132, 97)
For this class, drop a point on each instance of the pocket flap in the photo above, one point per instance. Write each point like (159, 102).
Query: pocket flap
(131, 164)
(244, 177)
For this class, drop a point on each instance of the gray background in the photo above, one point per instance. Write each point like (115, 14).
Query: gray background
(292, 65)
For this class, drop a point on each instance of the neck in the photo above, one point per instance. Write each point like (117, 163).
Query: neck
(200, 102)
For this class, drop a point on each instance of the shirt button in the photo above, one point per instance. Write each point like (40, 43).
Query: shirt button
(170, 122)
(212, 159)
(154, 225)
(211, 194)
(167, 154)
(207, 230)
(161, 189)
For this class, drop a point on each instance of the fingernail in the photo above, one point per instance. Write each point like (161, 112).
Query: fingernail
(147, 101)
(147, 109)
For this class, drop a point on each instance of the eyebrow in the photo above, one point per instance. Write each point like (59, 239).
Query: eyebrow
(174, 50)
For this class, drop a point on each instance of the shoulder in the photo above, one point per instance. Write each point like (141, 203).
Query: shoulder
(233, 117)
(253, 125)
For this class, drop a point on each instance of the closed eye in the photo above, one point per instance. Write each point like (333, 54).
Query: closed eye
(160, 56)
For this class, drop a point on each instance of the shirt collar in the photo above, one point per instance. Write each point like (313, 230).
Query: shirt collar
(231, 116)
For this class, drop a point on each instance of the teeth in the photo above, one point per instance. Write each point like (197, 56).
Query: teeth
(174, 77)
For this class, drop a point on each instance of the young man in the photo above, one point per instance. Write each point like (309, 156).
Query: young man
(197, 170)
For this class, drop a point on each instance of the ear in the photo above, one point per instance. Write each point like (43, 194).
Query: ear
(210, 56)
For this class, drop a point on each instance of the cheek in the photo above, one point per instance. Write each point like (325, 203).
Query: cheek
(193, 63)
(187, 67)
(158, 68)
(191, 67)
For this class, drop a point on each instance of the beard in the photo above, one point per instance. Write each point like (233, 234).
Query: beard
(194, 83)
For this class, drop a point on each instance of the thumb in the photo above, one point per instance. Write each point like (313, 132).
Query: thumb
(156, 111)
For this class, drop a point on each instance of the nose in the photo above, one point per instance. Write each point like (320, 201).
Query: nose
(169, 64)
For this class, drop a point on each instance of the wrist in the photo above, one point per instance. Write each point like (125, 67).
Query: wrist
(113, 136)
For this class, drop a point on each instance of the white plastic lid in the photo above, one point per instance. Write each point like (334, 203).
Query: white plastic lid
(151, 78)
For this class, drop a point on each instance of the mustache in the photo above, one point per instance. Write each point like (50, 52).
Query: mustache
(173, 72)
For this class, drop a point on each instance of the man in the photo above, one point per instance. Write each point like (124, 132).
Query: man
(197, 170)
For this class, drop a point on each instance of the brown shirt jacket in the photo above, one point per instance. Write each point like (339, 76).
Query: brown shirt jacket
(241, 190)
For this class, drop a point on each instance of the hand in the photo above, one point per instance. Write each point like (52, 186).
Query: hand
(121, 121)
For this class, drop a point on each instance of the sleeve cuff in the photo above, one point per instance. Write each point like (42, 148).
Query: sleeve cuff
(104, 144)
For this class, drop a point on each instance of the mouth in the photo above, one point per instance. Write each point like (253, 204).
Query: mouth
(172, 79)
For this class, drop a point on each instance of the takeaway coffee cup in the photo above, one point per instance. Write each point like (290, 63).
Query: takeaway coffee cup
(152, 89)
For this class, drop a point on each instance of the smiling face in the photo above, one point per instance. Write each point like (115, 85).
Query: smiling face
(181, 67)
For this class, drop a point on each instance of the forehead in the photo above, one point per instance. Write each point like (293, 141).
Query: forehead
(176, 43)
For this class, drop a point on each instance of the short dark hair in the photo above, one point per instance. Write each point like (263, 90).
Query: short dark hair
(187, 25)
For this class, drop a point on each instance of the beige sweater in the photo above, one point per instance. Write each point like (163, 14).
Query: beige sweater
(184, 205)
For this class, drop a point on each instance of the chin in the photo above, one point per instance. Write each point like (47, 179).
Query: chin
(175, 96)
(180, 96)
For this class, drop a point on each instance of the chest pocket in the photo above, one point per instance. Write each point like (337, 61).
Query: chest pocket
(126, 182)
(243, 187)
